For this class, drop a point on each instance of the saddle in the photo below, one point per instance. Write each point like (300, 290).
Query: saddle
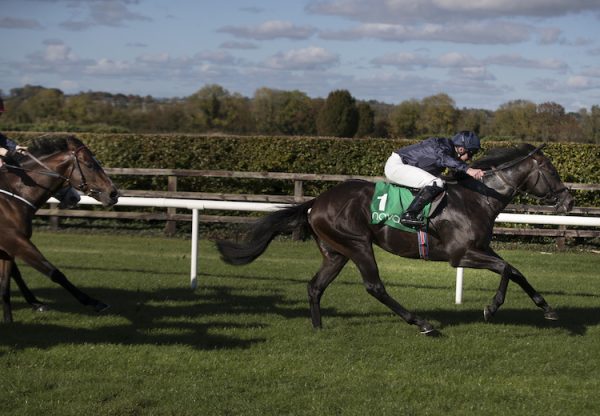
(391, 200)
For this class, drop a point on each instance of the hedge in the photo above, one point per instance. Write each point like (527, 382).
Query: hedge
(575, 162)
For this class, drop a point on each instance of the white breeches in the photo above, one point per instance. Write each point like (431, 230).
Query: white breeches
(413, 177)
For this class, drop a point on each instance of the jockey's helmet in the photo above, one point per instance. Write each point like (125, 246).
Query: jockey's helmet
(468, 140)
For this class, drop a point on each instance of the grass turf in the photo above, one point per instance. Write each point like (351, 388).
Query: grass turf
(242, 343)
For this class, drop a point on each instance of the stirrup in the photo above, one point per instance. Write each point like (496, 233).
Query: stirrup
(410, 221)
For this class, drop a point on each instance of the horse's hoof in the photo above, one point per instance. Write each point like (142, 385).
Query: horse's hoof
(487, 314)
(551, 316)
(101, 307)
(430, 332)
(40, 307)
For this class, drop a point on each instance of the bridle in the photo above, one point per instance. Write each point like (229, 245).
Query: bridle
(76, 166)
(551, 196)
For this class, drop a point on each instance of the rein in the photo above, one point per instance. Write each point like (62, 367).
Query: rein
(20, 198)
(514, 162)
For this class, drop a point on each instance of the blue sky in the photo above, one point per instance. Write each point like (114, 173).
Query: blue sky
(483, 53)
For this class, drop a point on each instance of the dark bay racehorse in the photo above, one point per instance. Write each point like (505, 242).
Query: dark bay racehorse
(56, 162)
(460, 230)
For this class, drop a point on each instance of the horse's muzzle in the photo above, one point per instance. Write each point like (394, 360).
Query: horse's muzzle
(108, 199)
(565, 202)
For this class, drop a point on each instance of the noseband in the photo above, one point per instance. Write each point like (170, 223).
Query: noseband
(83, 186)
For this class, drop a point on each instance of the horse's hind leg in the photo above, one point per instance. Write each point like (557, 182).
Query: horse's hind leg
(5, 267)
(365, 261)
(28, 252)
(27, 294)
(331, 266)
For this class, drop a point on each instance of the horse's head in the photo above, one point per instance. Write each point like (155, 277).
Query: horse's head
(86, 174)
(544, 182)
(526, 169)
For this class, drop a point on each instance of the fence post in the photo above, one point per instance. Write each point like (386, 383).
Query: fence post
(171, 225)
(54, 220)
(561, 241)
(298, 194)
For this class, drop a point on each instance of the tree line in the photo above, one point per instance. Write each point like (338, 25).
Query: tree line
(213, 109)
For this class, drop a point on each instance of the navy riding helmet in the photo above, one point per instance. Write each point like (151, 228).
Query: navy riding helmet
(468, 140)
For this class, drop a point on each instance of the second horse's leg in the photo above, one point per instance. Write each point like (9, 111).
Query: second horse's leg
(27, 294)
(5, 267)
(26, 251)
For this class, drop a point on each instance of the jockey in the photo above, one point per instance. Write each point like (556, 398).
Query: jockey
(7, 146)
(419, 166)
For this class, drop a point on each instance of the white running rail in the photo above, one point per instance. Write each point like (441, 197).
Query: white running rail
(196, 205)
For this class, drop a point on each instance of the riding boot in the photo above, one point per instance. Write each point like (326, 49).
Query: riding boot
(411, 217)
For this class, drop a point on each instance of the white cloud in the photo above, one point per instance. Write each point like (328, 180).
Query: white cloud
(516, 60)
(310, 58)
(272, 29)
(410, 11)
(474, 33)
(110, 67)
(579, 81)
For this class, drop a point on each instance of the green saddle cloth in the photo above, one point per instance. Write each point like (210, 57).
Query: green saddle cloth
(389, 202)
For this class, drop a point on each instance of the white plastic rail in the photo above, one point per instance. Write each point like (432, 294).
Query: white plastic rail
(196, 205)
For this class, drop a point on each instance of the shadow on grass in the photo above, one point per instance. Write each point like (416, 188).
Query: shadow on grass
(207, 318)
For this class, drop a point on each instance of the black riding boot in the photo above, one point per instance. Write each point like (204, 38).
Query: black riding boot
(411, 218)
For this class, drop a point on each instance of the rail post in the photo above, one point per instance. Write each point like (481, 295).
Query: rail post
(194, 254)
(171, 225)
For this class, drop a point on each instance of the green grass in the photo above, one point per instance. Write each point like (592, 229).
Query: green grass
(242, 343)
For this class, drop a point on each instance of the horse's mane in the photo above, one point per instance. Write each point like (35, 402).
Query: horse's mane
(498, 156)
(43, 146)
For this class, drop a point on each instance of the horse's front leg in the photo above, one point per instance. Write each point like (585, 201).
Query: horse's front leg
(517, 277)
(24, 249)
(490, 260)
(27, 294)
(5, 268)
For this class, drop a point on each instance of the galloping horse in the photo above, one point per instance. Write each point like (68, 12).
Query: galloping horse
(56, 162)
(460, 231)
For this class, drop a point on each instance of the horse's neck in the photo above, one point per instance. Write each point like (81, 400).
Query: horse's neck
(37, 187)
(491, 194)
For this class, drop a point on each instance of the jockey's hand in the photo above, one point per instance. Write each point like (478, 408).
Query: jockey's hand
(21, 149)
(475, 173)
(3, 151)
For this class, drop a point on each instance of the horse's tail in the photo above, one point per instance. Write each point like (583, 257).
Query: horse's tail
(262, 232)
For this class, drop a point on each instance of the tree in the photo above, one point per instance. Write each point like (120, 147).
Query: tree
(296, 115)
(207, 103)
(339, 115)
(474, 120)
(265, 105)
(403, 119)
(366, 120)
(515, 119)
(438, 116)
